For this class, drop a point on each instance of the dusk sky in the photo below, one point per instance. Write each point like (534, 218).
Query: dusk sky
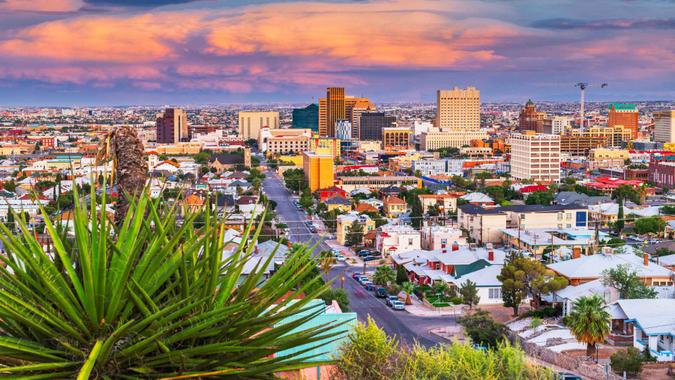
(122, 52)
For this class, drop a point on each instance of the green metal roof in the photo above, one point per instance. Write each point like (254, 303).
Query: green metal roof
(623, 106)
(461, 270)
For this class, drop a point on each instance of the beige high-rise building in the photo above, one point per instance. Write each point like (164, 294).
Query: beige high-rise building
(250, 123)
(353, 108)
(458, 109)
(664, 126)
(535, 156)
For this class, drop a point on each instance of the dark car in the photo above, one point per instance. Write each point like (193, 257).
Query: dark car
(356, 275)
(567, 376)
(381, 293)
(371, 258)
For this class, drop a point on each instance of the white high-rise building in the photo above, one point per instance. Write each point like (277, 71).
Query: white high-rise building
(458, 110)
(535, 156)
(664, 126)
(343, 130)
(251, 122)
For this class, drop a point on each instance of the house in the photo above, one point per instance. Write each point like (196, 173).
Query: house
(226, 161)
(566, 198)
(344, 224)
(651, 322)
(397, 238)
(439, 237)
(259, 256)
(571, 293)
(608, 212)
(365, 207)
(192, 203)
(338, 203)
(390, 191)
(537, 240)
(331, 192)
(394, 206)
(487, 284)
(588, 268)
(447, 203)
(478, 199)
(319, 351)
(667, 261)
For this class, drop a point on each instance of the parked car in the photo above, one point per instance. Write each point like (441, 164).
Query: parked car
(391, 299)
(363, 252)
(356, 275)
(381, 293)
(369, 286)
(341, 258)
(367, 283)
(567, 376)
(363, 279)
(336, 252)
(398, 305)
(312, 229)
(371, 258)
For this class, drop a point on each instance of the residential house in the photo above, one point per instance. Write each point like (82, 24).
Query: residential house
(396, 239)
(447, 202)
(225, 161)
(365, 207)
(331, 192)
(667, 261)
(338, 203)
(568, 295)
(192, 203)
(345, 223)
(478, 199)
(537, 240)
(439, 237)
(566, 198)
(651, 323)
(394, 206)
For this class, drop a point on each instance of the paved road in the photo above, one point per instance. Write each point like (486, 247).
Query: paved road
(406, 327)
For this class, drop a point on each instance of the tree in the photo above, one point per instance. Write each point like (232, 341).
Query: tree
(469, 293)
(326, 261)
(513, 287)
(417, 213)
(482, 329)
(533, 277)
(9, 186)
(338, 295)
(651, 225)
(384, 275)
(408, 287)
(668, 210)
(442, 289)
(540, 198)
(628, 360)
(121, 303)
(368, 354)
(401, 275)
(621, 194)
(202, 158)
(627, 283)
(354, 235)
(306, 200)
(589, 321)
(294, 179)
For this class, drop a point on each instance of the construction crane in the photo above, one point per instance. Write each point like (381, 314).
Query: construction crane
(582, 87)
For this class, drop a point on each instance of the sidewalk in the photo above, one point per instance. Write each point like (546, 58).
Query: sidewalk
(419, 309)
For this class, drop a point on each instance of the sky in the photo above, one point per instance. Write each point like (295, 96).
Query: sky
(182, 52)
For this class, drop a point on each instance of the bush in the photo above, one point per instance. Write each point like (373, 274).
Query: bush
(456, 300)
(394, 289)
(536, 322)
(482, 329)
(547, 312)
(629, 360)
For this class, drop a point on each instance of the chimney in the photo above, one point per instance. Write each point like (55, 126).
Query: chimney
(491, 255)
(576, 252)
(645, 259)
(455, 247)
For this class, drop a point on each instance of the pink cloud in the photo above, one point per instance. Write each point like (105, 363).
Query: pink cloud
(42, 5)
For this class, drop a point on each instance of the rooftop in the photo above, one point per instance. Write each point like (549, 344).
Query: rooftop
(593, 266)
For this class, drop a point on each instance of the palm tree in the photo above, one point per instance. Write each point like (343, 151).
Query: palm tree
(384, 275)
(326, 261)
(590, 321)
(408, 287)
(151, 298)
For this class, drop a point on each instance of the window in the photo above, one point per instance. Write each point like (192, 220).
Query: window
(410, 241)
(444, 241)
(495, 293)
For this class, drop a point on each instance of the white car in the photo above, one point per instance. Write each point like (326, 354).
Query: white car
(341, 258)
(398, 305)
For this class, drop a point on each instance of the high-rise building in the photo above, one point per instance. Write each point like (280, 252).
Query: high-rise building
(343, 130)
(172, 126)
(319, 170)
(535, 156)
(531, 120)
(337, 106)
(396, 138)
(458, 110)
(306, 118)
(581, 145)
(624, 114)
(664, 126)
(250, 123)
(557, 125)
(372, 123)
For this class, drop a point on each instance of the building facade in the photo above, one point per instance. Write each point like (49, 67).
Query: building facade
(172, 126)
(581, 145)
(319, 170)
(531, 120)
(250, 123)
(664, 126)
(557, 125)
(284, 141)
(535, 156)
(343, 130)
(624, 114)
(616, 136)
(306, 118)
(458, 109)
(396, 138)
(371, 125)
(437, 139)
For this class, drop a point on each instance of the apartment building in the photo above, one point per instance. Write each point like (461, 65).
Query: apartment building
(664, 126)
(446, 202)
(441, 237)
(284, 141)
(172, 126)
(392, 239)
(344, 224)
(535, 156)
(319, 170)
(458, 109)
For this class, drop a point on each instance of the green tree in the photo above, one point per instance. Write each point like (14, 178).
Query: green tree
(368, 354)
(668, 210)
(469, 293)
(532, 277)
(650, 225)
(294, 179)
(482, 329)
(401, 275)
(417, 213)
(384, 275)
(627, 283)
(10, 186)
(589, 321)
(339, 295)
(628, 360)
(122, 302)
(540, 198)
(306, 199)
(202, 158)
(621, 194)
(354, 235)
(514, 290)
(408, 287)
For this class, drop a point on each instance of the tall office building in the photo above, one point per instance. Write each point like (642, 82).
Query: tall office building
(458, 110)
(306, 118)
(353, 108)
(372, 124)
(664, 126)
(343, 130)
(623, 114)
(535, 156)
(531, 120)
(172, 126)
(251, 122)
(319, 170)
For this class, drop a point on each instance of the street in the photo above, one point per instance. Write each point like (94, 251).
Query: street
(406, 327)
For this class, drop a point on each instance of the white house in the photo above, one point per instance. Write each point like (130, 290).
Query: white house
(397, 239)
(652, 323)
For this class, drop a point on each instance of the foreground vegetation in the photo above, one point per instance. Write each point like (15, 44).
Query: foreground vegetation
(371, 355)
(150, 298)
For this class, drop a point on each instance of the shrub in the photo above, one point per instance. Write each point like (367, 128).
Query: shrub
(547, 312)
(456, 300)
(629, 360)
(482, 329)
(536, 322)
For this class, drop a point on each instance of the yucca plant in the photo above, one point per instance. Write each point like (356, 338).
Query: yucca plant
(153, 298)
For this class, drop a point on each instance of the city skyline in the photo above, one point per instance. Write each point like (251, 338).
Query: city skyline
(108, 52)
